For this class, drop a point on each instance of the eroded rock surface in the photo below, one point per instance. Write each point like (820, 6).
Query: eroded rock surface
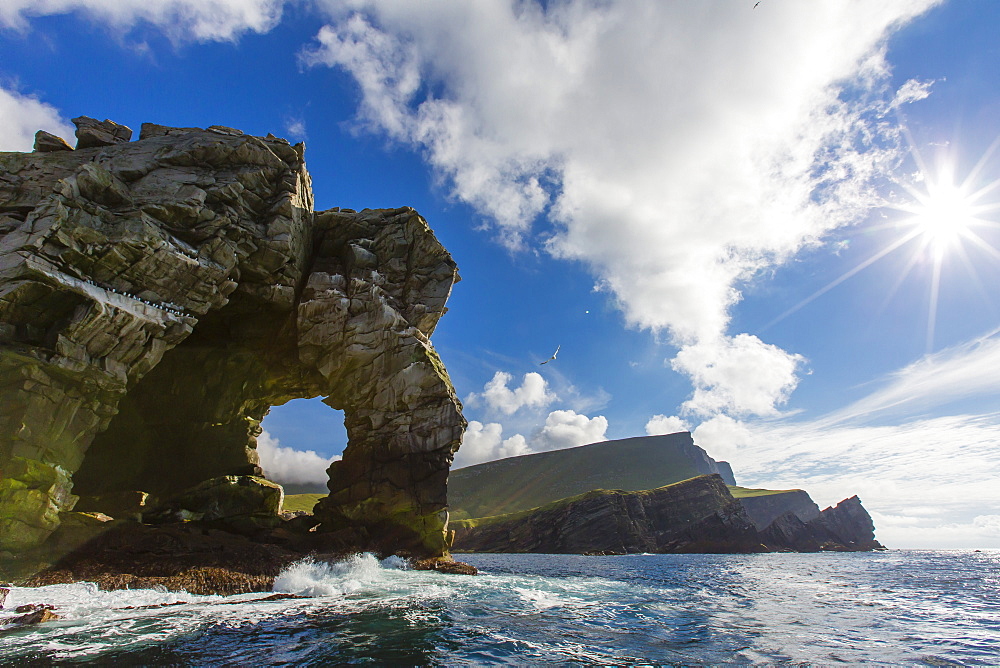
(696, 515)
(157, 297)
(764, 509)
(846, 527)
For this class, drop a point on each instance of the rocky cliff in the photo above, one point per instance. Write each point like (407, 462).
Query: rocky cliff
(764, 506)
(846, 527)
(158, 296)
(631, 464)
(697, 515)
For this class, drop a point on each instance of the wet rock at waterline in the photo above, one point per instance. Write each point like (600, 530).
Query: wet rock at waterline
(157, 297)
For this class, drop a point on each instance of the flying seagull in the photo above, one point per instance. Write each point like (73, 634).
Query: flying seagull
(553, 355)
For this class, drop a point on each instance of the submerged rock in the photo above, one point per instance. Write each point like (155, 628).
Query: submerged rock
(445, 566)
(157, 297)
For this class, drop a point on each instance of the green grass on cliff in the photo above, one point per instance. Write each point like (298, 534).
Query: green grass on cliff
(746, 492)
(521, 483)
(304, 502)
(506, 517)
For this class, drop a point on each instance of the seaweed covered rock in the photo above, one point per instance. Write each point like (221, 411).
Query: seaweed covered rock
(157, 297)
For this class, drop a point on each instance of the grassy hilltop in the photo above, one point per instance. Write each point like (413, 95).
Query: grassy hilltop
(521, 483)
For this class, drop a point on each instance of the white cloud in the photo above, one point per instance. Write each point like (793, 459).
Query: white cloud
(916, 532)
(533, 393)
(740, 375)
(677, 149)
(23, 115)
(682, 148)
(721, 436)
(203, 20)
(661, 424)
(963, 371)
(568, 429)
(296, 128)
(912, 91)
(484, 443)
(287, 465)
(925, 481)
(562, 429)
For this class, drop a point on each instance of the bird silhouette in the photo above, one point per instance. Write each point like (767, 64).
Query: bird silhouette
(553, 355)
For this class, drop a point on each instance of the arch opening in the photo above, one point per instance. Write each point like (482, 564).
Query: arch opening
(299, 441)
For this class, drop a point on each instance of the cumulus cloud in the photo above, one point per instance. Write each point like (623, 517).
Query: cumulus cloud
(533, 393)
(203, 20)
(562, 429)
(661, 424)
(722, 436)
(23, 115)
(739, 375)
(677, 149)
(287, 465)
(485, 442)
(568, 429)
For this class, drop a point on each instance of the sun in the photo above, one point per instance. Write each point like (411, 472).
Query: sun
(941, 212)
(942, 215)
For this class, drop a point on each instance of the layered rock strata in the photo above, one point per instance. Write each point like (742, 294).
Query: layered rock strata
(157, 297)
(696, 515)
(763, 509)
(632, 464)
(846, 527)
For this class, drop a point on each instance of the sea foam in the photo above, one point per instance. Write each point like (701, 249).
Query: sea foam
(309, 577)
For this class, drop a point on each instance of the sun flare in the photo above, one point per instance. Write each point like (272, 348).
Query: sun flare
(942, 215)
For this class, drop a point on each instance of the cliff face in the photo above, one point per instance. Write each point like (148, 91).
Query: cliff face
(765, 508)
(697, 515)
(630, 464)
(158, 296)
(846, 527)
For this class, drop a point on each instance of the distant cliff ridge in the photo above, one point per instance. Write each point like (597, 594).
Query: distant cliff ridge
(764, 506)
(630, 464)
(696, 515)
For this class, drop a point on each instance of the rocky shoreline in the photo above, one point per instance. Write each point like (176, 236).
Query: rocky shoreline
(197, 557)
(698, 515)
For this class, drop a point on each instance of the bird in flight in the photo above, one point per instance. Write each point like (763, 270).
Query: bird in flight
(553, 355)
(755, 6)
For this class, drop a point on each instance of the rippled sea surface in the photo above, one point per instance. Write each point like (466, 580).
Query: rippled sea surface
(897, 607)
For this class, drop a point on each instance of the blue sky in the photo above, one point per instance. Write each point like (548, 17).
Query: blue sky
(686, 198)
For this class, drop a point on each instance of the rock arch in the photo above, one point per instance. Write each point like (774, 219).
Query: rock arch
(158, 296)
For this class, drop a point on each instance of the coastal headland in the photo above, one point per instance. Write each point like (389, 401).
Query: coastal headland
(158, 296)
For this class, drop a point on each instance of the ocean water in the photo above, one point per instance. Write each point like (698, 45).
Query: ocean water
(896, 607)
